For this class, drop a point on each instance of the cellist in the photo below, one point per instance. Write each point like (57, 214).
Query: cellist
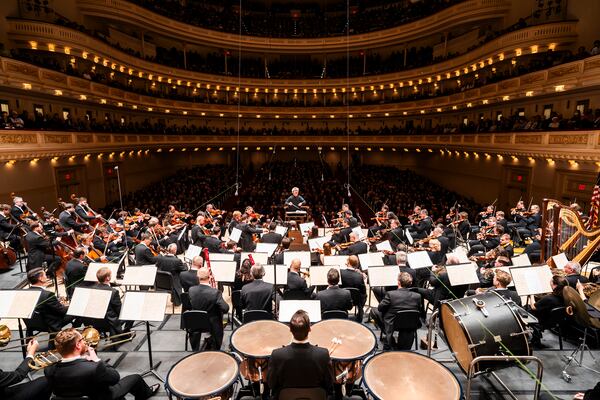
(40, 249)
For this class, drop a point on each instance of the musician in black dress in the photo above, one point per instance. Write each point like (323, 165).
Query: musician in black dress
(295, 201)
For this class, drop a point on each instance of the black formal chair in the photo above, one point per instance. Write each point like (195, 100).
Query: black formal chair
(256, 315)
(303, 394)
(334, 314)
(164, 282)
(357, 299)
(556, 321)
(195, 321)
(35, 324)
(236, 309)
(57, 397)
(296, 295)
(407, 321)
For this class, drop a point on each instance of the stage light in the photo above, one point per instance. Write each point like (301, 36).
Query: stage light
(368, 149)
(27, 86)
(369, 115)
(221, 115)
(166, 111)
(134, 107)
(277, 116)
(430, 150)
(485, 101)
(387, 114)
(295, 116)
(531, 159)
(529, 93)
(121, 105)
(34, 161)
(559, 88)
(185, 112)
(505, 98)
(183, 149)
(514, 158)
(58, 92)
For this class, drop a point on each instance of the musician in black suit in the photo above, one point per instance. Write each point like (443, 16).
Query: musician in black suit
(352, 277)
(258, 294)
(67, 219)
(300, 364)
(206, 298)
(40, 250)
(530, 224)
(170, 263)
(505, 244)
(11, 389)
(9, 232)
(295, 201)
(190, 278)
(104, 276)
(82, 208)
(271, 236)
(246, 241)
(143, 254)
(82, 373)
(334, 297)
(295, 283)
(396, 235)
(355, 248)
(394, 301)
(573, 274)
(501, 281)
(198, 233)
(400, 258)
(213, 243)
(75, 271)
(19, 208)
(49, 311)
(420, 229)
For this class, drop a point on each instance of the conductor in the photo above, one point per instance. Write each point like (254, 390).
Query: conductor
(300, 364)
(295, 201)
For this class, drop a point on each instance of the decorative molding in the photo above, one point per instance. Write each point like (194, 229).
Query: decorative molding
(57, 138)
(569, 139)
(17, 139)
(528, 139)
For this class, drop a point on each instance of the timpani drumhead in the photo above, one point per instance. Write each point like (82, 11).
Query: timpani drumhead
(456, 336)
(407, 375)
(259, 338)
(202, 374)
(357, 340)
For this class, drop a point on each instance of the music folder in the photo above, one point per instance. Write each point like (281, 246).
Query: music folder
(92, 269)
(462, 274)
(221, 257)
(287, 308)
(318, 242)
(224, 271)
(383, 276)
(282, 230)
(144, 306)
(340, 261)
(532, 280)
(140, 275)
(560, 260)
(18, 303)
(368, 260)
(282, 273)
(419, 259)
(409, 237)
(522, 260)
(318, 274)
(268, 248)
(89, 303)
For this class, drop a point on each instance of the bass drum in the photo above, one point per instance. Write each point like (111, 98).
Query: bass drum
(469, 333)
(407, 375)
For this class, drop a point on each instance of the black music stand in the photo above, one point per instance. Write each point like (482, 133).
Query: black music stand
(146, 306)
(19, 304)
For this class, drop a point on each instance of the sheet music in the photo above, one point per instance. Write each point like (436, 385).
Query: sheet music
(306, 227)
(522, 260)
(89, 303)
(461, 254)
(383, 276)
(318, 274)
(462, 274)
(18, 303)
(282, 230)
(268, 248)
(287, 308)
(192, 251)
(260, 258)
(340, 261)
(92, 269)
(384, 246)
(224, 271)
(235, 235)
(560, 260)
(140, 275)
(144, 306)
(304, 257)
(532, 280)
(221, 257)
(282, 272)
(419, 259)
(409, 237)
(317, 243)
(370, 260)
(359, 232)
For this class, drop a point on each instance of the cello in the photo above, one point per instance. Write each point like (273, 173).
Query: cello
(8, 257)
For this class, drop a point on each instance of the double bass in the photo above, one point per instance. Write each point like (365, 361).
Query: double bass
(8, 257)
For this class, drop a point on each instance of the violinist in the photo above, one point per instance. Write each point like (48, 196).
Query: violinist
(9, 232)
(396, 235)
(271, 236)
(213, 243)
(40, 249)
(485, 215)
(212, 212)
(248, 230)
(236, 219)
(381, 218)
(500, 220)
(144, 255)
(67, 219)
(506, 245)
(462, 224)
(531, 221)
(295, 201)
(518, 210)
(21, 211)
(200, 231)
(158, 233)
(486, 239)
(342, 234)
(354, 248)
(421, 227)
(75, 271)
(83, 210)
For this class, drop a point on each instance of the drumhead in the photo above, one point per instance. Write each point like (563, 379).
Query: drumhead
(414, 376)
(202, 374)
(456, 336)
(358, 341)
(259, 338)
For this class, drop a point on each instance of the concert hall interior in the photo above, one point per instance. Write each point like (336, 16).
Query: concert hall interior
(294, 199)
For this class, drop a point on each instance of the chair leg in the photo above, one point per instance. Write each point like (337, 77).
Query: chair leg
(560, 341)
(416, 341)
(186, 340)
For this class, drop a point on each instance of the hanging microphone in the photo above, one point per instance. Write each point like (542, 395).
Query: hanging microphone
(269, 175)
(116, 168)
(322, 177)
(236, 189)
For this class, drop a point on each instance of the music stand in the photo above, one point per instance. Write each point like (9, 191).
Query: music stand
(340, 261)
(19, 304)
(221, 257)
(317, 243)
(224, 271)
(462, 274)
(92, 269)
(318, 274)
(276, 271)
(268, 248)
(532, 280)
(89, 303)
(282, 230)
(461, 254)
(560, 260)
(370, 260)
(191, 252)
(146, 306)
(259, 258)
(304, 257)
(287, 308)
(306, 227)
(522, 260)
(235, 235)
(384, 246)
(419, 259)
(140, 275)
(383, 276)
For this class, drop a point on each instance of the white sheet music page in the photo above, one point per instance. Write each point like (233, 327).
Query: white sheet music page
(282, 271)
(522, 260)
(306, 227)
(268, 248)
(318, 274)
(92, 269)
(383, 276)
(235, 235)
(18, 303)
(140, 275)
(144, 306)
(370, 260)
(224, 271)
(462, 274)
(340, 261)
(287, 308)
(560, 260)
(192, 252)
(317, 243)
(304, 257)
(384, 246)
(282, 230)
(260, 258)
(90, 303)
(419, 259)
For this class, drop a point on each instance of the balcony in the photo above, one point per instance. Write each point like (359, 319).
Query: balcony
(144, 19)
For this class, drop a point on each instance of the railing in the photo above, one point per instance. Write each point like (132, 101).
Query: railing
(577, 145)
(558, 34)
(582, 74)
(468, 11)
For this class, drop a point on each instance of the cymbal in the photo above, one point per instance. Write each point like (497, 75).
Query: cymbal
(582, 317)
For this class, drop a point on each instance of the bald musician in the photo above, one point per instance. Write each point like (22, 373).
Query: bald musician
(206, 298)
(190, 278)
(82, 373)
(300, 364)
(352, 277)
(296, 284)
(357, 247)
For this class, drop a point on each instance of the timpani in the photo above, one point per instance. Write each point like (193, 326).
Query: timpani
(203, 376)
(357, 342)
(255, 342)
(407, 375)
